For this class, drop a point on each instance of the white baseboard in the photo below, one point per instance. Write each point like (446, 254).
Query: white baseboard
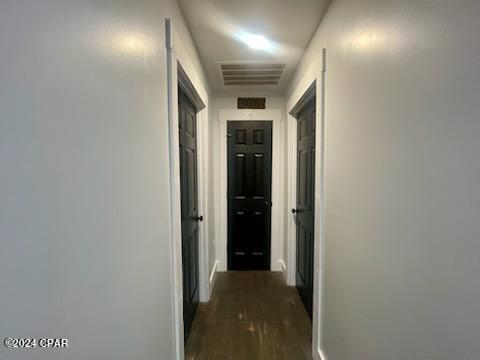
(284, 268)
(214, 272)
(319, 355)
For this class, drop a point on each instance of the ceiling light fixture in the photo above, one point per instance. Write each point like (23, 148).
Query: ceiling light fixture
(257, 42)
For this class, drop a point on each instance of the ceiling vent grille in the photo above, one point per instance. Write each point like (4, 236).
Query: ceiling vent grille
(251, 73)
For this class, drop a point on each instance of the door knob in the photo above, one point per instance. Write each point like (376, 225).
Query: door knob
(199, 218)
(295, 211)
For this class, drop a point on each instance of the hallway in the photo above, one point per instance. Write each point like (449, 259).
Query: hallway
(150, 150)
(251, 315)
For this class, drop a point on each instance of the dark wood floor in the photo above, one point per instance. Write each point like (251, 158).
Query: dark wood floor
(251, 316)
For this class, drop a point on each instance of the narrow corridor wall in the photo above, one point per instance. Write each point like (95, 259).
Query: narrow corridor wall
(402, 173)
(85, 216)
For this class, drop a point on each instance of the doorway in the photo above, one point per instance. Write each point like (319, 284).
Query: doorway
(249, 194)
(187, 125)
(305, 204)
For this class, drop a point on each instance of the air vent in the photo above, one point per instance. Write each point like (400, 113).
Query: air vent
(251, 73)
(250, 103)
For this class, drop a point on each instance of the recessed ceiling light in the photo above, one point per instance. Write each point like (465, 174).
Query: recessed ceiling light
(257, 42)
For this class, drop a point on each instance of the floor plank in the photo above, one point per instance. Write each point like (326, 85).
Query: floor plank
(251, 316)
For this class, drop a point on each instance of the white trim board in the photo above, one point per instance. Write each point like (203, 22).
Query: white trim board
(319, 355)
(221, 168)
(315, 74)
(284, 269)
(213, 275)
(176, 53)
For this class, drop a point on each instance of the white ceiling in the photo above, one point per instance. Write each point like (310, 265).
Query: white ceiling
(216, 26)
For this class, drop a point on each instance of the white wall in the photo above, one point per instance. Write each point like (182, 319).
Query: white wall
(402, 173)
(85, 210)
(220, 168)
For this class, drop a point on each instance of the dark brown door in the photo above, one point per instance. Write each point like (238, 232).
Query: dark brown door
(249, 194)
(305, 211)
(188, 184)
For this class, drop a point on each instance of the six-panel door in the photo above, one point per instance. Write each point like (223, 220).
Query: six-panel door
(249, 194)
(189, 208)
(305, 211)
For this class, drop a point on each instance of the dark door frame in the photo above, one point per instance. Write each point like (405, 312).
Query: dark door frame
(188, 89)
(304, 210)
(291, 255)
(192, 103)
